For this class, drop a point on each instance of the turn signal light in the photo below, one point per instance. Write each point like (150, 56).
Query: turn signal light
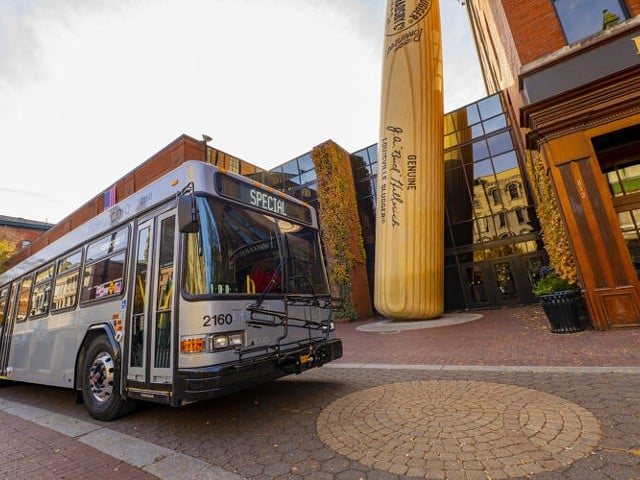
(192, 345)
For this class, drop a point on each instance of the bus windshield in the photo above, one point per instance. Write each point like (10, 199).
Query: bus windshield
(240, 251)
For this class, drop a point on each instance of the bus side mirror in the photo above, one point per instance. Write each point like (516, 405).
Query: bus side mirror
(187, 214)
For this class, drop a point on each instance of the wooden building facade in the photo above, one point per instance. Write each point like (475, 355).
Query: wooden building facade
(570, 70)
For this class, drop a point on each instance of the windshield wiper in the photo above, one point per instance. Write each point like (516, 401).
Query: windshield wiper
(272, 281)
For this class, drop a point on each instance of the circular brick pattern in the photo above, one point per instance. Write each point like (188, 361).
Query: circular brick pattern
(444, 429)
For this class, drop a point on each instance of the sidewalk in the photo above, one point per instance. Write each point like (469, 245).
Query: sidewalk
(30, 451)
(504, 337)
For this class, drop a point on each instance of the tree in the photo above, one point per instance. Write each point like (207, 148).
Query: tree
(7, 249)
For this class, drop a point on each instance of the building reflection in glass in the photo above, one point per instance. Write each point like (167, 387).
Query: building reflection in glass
(492, 242)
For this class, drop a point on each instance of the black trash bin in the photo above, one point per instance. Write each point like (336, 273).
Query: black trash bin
(563, 310)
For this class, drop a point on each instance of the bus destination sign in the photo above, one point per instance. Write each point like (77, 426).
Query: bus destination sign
(258, 197)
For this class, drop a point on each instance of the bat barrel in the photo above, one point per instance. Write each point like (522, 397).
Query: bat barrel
(409, 263)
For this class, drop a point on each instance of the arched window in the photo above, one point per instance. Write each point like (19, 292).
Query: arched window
(514, 191)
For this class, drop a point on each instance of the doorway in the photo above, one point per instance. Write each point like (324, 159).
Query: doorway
(151, 319)
(618, 154)
(507, 281)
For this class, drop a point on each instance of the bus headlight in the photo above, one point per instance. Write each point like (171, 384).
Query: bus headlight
(220, 341)
(236, 339)
(211, 343)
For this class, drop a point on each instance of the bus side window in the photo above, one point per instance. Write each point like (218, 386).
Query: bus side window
(103, 278)
(104, 269)
(23, 303)
(4, 294)
(65, 287)
(41, 292)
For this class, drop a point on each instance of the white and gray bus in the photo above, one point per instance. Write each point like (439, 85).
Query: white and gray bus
(202, 283)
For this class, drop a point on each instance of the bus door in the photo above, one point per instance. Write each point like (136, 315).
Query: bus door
(7, 318)
(151, 319)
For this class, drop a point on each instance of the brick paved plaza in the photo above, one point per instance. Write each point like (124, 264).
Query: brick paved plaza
(563, 417)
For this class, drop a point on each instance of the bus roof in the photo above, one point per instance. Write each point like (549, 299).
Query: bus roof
(196, 173)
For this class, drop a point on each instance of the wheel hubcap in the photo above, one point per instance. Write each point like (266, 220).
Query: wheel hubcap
(101, 377)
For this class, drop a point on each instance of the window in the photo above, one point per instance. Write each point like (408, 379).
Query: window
(520, 215)
(3, 305)
(306, 267)
(581, 18)
(495, 194)
(242, 248)
(514, 193)
(237, 241)
(65, 288)
(140, 298)
(104, 267)
(490, 107)
(500, 143)
(42, 292)
(23, 300)
(624, 180)
(306, 163)
(165, 293)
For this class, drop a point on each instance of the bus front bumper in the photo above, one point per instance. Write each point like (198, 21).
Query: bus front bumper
(194, 384)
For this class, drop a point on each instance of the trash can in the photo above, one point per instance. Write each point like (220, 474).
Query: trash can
(563, 310)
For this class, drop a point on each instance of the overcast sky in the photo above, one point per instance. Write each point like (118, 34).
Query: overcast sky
(91, 88)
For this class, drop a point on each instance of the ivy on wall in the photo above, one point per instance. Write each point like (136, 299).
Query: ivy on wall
(341, 231)
(553, 229)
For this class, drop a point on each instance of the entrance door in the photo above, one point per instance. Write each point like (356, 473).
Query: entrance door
(502, 282)
(629, 217)
(618, 154)
(505, 286)
(7, 318)
(490, 284)
(151, 320)
(624, 184)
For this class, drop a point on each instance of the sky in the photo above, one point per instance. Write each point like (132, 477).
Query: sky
(89, 89)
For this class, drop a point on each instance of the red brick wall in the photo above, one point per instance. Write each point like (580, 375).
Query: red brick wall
(634, 7)
(16, 236)
(535, 28)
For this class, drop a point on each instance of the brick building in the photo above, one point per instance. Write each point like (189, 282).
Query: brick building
(20, 232)
(570, 70)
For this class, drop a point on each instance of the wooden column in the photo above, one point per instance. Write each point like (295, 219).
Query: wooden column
(611, 285)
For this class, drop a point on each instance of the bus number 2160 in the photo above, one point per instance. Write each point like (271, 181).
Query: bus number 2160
(217, 320)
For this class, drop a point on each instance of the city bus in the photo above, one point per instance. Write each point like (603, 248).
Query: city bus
(202, 283)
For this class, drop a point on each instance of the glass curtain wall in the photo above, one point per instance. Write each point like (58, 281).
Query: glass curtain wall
(297, 178)
(492, 244)
(493, 249)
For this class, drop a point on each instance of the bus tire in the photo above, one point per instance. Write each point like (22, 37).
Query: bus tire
(100, 380)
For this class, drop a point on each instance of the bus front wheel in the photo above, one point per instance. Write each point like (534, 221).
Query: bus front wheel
(101, 377)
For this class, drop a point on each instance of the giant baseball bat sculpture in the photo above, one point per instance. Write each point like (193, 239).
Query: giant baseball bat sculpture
(409, 266)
